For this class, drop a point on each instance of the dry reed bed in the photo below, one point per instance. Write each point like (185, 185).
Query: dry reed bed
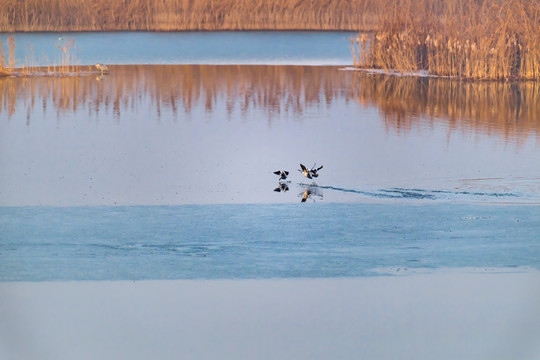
(508, 110)
(175, 15)
(474, 39)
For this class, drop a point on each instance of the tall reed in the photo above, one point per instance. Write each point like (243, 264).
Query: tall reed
(65, 63)
(477, 39)
(3, 70)
(174, 15)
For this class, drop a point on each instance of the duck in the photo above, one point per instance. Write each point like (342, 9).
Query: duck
(103, 68)
(282, 174)
(309, 173)
(313, 171)
(305, 171)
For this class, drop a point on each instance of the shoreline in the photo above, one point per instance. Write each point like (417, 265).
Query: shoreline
(183, 31)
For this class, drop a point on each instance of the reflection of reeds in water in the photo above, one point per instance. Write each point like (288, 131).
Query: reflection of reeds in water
(289, 89)
(497, 108)
(506, 109)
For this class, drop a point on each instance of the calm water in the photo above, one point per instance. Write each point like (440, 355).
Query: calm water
(161, 172)
(258, 47)
(174, 135)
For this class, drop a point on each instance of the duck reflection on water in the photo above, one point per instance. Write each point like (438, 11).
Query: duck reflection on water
(282, 187)
(310, 192)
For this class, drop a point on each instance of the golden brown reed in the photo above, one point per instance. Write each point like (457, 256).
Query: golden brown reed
(508, 110)
(476, 39)
(174, 15)
(65, 63)
(3, 70)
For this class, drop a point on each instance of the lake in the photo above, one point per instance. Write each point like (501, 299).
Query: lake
(254, 47)
(166, 171)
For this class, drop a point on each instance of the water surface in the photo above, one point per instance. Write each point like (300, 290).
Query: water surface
(165, 172)
(239, 47)
(206, 134)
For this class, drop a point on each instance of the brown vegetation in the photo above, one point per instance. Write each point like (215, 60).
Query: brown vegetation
(507, 110)
(4, 71)
(66, 62)
(177, 15)
(478, 39)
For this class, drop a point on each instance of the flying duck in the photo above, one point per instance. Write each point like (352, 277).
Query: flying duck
(309, 173)
(313, 171)
(282, 174)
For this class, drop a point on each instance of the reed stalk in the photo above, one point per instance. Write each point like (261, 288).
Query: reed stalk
(179, 15)
(11, 52)
(476, 39)
(3, 70)
(68, 63)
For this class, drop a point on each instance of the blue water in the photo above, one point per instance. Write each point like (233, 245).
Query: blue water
(394, 194)
(261, 240)
(257, 47)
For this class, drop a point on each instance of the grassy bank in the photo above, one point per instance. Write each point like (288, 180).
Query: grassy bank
(477, 39)
(174, 15)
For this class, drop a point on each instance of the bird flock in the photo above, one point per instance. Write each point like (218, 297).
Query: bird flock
(309, 173)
